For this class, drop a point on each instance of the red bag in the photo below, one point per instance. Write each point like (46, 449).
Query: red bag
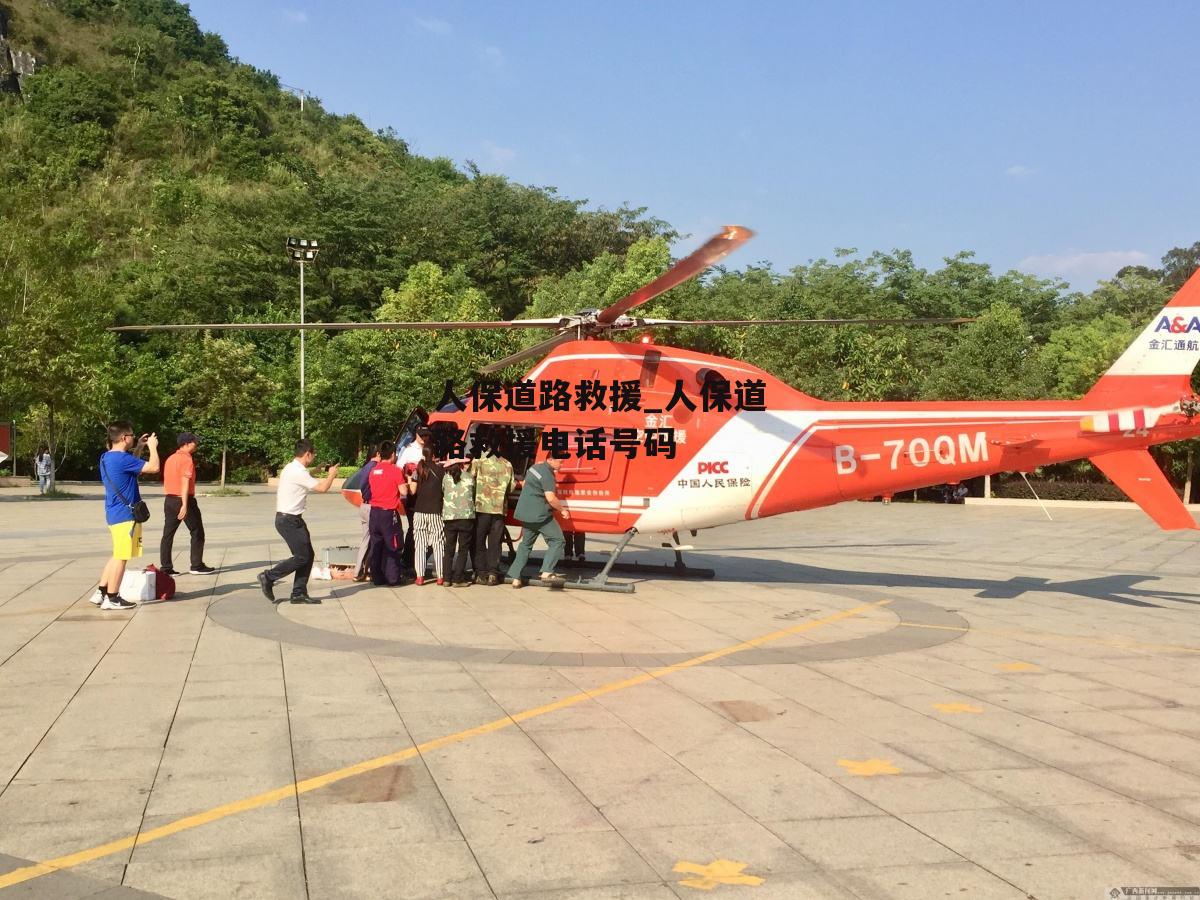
(164, 584)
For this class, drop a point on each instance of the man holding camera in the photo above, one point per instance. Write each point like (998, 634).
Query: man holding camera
(291, 499)
(120, 467)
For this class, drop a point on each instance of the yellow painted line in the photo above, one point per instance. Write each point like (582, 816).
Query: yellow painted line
(868, 767)
(26, 873)
(955, 708)
(1053, 635)
(1018, 667)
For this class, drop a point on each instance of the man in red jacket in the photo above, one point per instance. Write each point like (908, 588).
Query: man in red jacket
(388, 490)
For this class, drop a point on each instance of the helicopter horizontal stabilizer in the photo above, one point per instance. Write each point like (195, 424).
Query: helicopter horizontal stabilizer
(1137, 474)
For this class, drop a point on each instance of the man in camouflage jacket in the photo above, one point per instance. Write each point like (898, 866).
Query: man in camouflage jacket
(493, 481)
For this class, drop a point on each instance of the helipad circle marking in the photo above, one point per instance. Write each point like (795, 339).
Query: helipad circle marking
(257, 618)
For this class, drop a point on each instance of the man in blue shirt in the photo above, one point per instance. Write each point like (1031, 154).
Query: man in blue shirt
(119, 470)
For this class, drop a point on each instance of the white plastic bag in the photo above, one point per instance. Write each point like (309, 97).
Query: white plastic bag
(321, 573)
(138, 585)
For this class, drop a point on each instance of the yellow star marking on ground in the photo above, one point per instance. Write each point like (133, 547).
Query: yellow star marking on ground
(868, 767)
(1018, 667)
(951, 708)
(719, 871)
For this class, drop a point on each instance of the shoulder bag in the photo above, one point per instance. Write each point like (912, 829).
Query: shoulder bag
(141, 512)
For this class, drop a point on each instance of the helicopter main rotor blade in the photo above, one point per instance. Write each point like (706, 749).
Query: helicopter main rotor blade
(539, 349)
(346, 326)
(714, 250)
(734, 323)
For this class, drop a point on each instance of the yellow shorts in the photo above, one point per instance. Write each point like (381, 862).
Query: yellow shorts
(127, 540)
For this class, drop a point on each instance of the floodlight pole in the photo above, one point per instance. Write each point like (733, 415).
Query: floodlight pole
(301, 250)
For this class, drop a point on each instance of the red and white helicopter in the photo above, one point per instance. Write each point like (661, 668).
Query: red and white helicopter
(800, 452)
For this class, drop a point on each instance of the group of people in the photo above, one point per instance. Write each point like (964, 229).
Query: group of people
(454, 510)
(125, 511)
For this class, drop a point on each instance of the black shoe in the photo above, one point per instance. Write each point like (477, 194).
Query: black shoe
(201, 569)
(268, 586)
(304, 598)
(493, 580)
(167, 570)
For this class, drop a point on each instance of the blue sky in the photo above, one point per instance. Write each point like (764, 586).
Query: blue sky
(1058, 138)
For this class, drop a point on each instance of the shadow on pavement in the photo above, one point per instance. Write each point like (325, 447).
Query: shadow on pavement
(1126, 589)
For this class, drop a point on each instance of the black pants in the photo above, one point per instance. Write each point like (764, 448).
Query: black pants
(172, 503)
(386, 542)
(460, 538)
(489, 543)
(409, 551)
(575, 543)
(293, 530)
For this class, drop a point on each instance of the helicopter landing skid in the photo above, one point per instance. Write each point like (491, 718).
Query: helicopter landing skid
(600, 582)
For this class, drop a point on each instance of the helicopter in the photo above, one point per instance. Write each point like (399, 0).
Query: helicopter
(787, 451)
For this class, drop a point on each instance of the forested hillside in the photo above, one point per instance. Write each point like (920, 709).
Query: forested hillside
(145, 176)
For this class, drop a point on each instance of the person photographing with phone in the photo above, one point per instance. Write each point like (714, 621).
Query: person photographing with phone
(291, 499)
(124, 509)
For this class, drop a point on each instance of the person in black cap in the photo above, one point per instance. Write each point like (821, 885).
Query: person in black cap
(179, 505)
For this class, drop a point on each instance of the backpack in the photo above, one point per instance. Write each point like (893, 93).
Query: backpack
(164, 584)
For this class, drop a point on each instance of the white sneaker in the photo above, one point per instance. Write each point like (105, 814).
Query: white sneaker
(117, 603)
(97, 597)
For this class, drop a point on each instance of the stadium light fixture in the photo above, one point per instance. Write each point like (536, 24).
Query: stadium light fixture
(302, 250)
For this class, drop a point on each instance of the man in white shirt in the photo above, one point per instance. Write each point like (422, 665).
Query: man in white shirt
(413, 452)
(290, 501)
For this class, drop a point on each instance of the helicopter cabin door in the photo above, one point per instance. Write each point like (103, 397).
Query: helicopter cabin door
(592, 489)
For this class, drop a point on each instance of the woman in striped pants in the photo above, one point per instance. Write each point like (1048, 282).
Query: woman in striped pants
(428, 531)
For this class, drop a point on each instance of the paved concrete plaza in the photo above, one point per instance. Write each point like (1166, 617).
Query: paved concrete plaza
(868, 701)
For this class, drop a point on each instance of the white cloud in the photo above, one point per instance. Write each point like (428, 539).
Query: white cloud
(434, 26)
(498, 156)
(1019, 171)
(296, 16)
(492, 55)
(1083, 268)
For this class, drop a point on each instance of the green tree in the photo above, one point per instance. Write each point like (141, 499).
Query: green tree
(57, 366)
(1133, 296)
(1178, 265)
(1078, 354)
(222, 392)
(991, 359)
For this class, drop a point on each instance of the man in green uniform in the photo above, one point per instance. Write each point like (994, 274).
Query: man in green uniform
(535, 511)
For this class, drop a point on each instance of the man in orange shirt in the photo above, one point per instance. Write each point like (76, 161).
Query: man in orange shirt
(179, 485)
